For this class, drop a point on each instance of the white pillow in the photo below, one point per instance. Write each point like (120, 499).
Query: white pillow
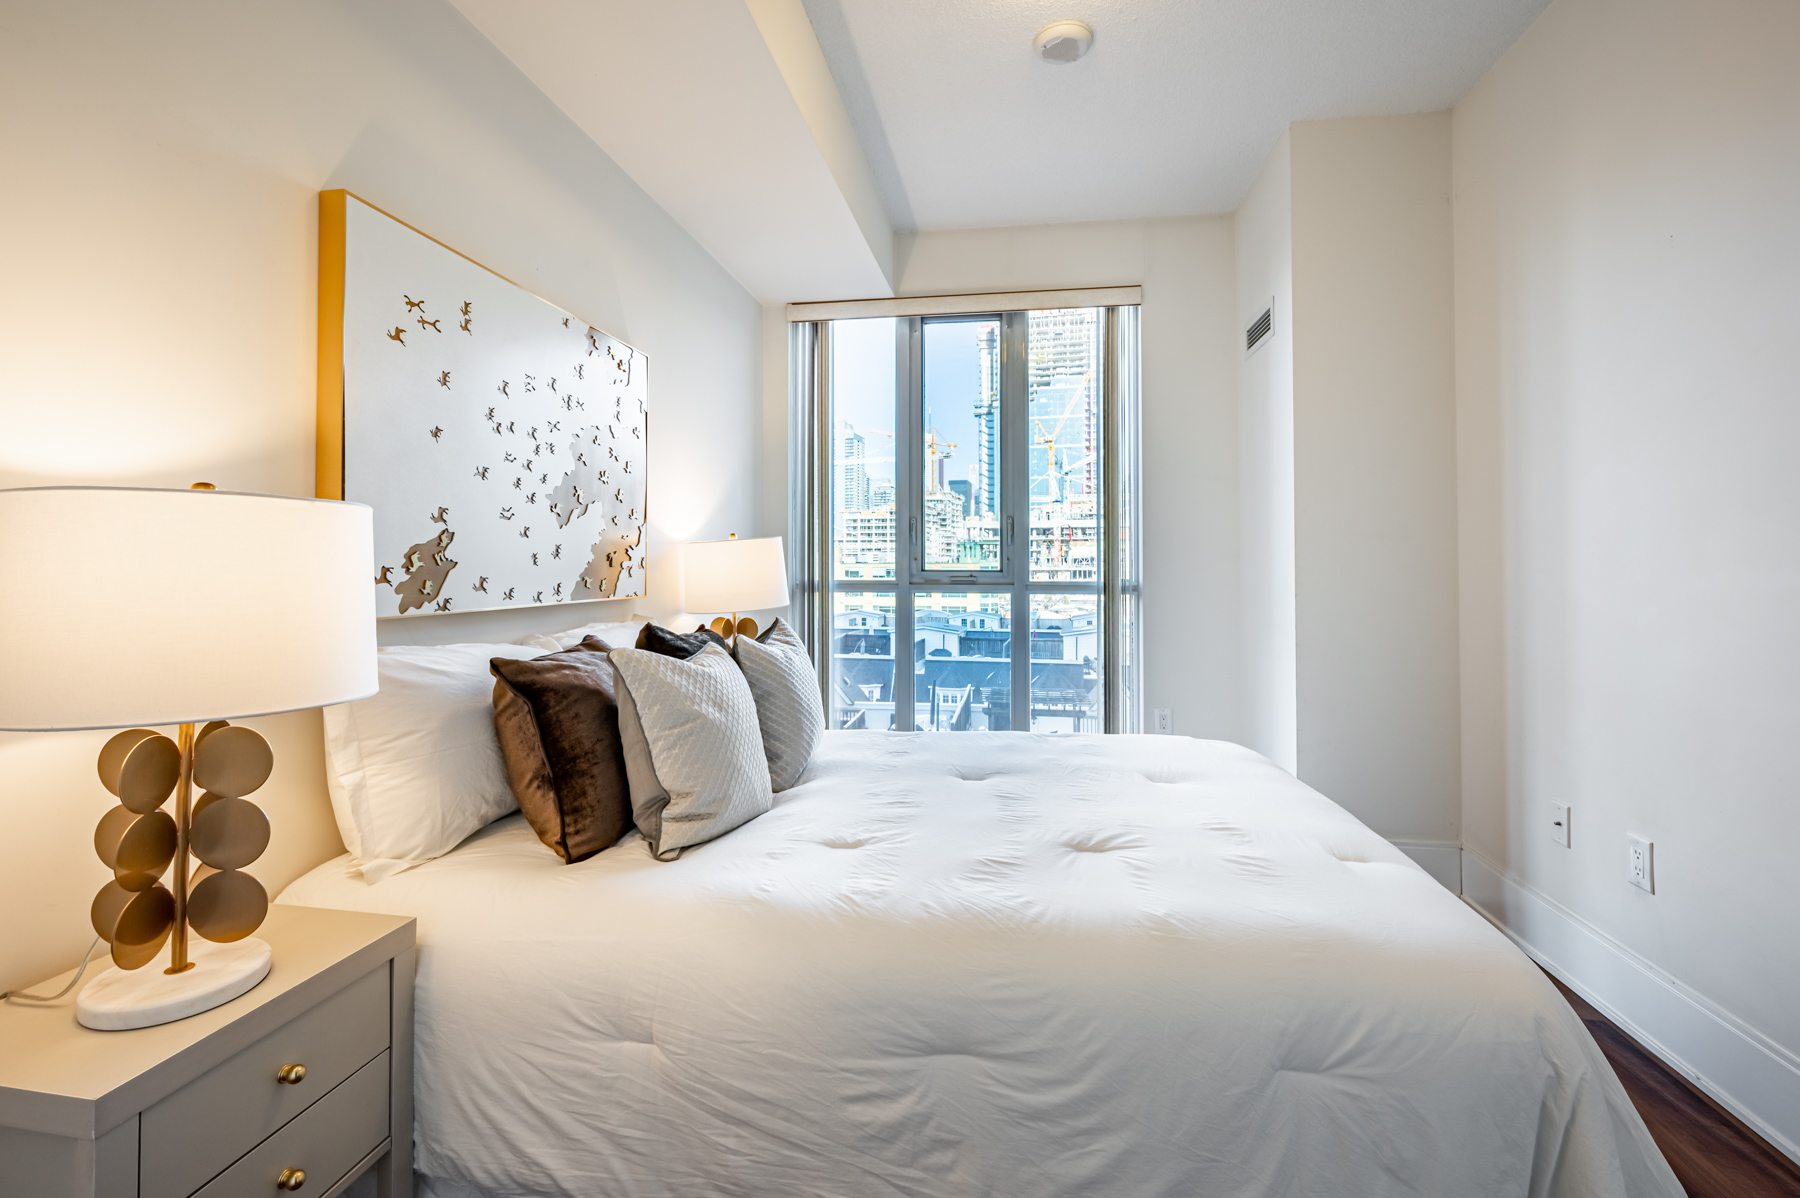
(415, 768)
(693, 751)
(619, 634)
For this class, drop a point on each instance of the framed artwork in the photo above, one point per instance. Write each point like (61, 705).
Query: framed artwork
(500, 440)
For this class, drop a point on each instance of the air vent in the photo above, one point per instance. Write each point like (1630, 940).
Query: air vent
(1259, 329)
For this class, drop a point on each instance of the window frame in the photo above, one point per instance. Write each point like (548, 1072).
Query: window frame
(1116, 590)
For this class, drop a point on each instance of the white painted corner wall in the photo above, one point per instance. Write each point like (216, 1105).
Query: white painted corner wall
(1626, 183)
(1374, 474)
(1264, 231)
(159, 235)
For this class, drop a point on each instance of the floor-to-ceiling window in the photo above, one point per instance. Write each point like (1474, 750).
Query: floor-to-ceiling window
(966, 519)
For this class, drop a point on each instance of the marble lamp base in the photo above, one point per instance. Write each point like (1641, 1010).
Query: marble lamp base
(119, 999)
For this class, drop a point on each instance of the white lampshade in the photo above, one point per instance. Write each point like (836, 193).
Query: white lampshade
(122, 607)
(735, 575)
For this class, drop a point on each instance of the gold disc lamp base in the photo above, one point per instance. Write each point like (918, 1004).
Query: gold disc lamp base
(136, 914)
(727, 626)
(119, 999)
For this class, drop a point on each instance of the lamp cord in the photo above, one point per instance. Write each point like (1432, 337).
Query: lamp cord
(21, 996)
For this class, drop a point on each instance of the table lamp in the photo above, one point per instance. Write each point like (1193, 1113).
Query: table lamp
(125, 607)
(734, 576)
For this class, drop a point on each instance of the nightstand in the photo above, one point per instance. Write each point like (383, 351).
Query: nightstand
(298, 1086)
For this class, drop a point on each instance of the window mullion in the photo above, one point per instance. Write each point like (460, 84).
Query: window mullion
(1015, 482)
(909, 508)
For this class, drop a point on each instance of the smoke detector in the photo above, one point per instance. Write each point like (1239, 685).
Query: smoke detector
(1062, 41)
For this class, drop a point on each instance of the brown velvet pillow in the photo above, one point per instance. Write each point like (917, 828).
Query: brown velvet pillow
(559, 734)
(684, 645)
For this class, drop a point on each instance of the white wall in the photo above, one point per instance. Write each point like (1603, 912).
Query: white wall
(1190, 469)
(1265, 394)
(159, 233)
(1627, 180)
(1374, 471)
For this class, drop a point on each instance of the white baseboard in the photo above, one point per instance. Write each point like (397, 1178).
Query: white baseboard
(1743, 1070)
(1441, 859)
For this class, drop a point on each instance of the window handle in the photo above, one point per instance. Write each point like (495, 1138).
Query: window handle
(912, 529)
(1009, 530)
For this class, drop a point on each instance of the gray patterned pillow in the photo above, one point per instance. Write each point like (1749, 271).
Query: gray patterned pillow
(693, 750)
(781, 677)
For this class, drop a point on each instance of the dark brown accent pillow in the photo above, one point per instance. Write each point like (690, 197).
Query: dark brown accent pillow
(678, 644)
(559, 735)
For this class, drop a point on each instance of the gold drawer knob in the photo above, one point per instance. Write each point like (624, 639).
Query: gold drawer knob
(292, 1075)
(291, 1179)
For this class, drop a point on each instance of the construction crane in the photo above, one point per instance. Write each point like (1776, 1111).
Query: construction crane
(936, 454)
(1052, 474)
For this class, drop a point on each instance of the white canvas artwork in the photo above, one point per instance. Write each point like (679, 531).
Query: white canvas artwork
(500, 440)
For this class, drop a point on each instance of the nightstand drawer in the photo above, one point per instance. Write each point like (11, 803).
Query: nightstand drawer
(329, 1139)
(189, 1137)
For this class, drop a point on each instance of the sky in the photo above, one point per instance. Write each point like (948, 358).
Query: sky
(862, 385)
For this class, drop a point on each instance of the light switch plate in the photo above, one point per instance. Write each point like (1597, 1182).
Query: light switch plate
(1559, 823)
(1640, 864)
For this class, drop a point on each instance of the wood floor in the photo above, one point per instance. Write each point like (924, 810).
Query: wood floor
(1713, 1154)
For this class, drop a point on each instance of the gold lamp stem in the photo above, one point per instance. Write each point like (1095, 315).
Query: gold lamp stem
(184, 794)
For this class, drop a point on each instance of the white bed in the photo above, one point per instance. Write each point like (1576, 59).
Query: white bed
(994, 964)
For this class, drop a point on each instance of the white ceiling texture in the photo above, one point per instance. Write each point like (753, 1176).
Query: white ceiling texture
(792, 138)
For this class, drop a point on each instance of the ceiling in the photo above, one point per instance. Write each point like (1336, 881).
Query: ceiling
(1172, 111)
(793, 138)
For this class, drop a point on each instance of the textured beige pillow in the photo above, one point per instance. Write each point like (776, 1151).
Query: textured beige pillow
(693, 749)
(788, 709)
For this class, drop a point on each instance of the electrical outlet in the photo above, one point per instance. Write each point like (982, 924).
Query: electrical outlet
(1165, 720)
(1640, 864)
(1559, 823)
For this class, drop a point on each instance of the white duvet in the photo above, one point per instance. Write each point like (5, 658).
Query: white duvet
(994, 964)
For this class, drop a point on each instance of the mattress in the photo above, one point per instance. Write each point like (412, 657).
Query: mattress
(994, 964)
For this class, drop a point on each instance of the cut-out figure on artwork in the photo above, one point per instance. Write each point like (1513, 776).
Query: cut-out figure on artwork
(413, 305)
(444, 380)
(443, 604)
(506, 513)
(490, 414)
(464, 326)
(481, 472)
(538, 598)
(437, 432)
(465, 308)
(383, 579)
(509, 594)
(502, 387)
(534, 560)
(481, 584)
(526, 531)
(429, 324)
(440, 516)
(556, 554)
(558, 590)
(398, 334)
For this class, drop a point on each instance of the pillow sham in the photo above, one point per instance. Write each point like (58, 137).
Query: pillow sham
(558, 728)
(693, 750)
(415, 768)
(789, 711)
(657, 639)
(616, 632)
